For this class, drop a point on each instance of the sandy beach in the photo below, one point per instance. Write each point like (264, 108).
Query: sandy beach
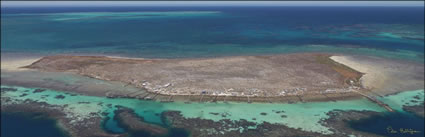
(385, 76)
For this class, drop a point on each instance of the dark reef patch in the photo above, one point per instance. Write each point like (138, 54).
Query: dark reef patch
(60, 97)
(338, 122)
(23, 95)
(212, 113)
(8, 89)
(372, 124)
(87, 128)
(277, 112)
(135, 126)
(416, 109)
(38, 90)
(225, 114)
(203, 128)
(83, 102)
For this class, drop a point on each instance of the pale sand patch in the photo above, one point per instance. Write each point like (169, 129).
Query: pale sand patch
(120, 57)
(16, 64)
(373, 78)
(385, 76)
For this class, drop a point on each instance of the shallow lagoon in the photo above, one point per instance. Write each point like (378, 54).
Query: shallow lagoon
(299, 115)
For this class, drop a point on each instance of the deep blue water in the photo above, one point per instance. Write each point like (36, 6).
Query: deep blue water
(390, 125)
(28, 125)
(233, 31)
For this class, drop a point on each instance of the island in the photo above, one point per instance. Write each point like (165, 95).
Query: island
(259, 77)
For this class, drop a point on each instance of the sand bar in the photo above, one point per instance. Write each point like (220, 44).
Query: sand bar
(16, 64)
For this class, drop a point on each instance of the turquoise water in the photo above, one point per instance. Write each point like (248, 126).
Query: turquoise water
(397, 102)
(305, 116)
(111, 124)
